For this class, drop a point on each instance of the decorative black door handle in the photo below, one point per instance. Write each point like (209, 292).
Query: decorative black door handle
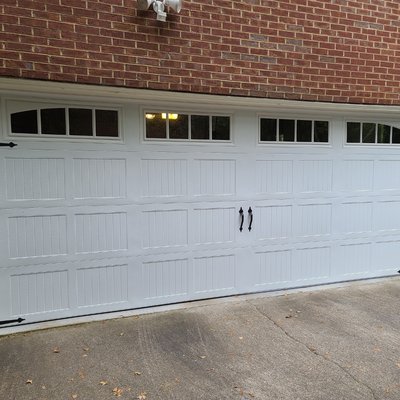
(11, 144)
(242, 219)
(251, 217)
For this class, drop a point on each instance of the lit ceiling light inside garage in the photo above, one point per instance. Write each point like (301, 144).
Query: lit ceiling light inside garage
(170, 116)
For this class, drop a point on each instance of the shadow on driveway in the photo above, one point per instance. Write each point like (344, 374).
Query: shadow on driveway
(331, 344)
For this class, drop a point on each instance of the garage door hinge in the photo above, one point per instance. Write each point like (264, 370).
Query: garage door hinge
(10, 144)
(12, 321)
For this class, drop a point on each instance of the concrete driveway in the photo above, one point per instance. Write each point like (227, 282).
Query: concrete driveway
(338, 343)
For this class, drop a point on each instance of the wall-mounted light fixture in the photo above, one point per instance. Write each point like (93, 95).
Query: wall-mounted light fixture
(159, 7)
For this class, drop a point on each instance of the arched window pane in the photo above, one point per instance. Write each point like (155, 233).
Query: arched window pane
(24, 122)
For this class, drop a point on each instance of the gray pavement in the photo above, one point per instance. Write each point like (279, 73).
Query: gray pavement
(338, 343)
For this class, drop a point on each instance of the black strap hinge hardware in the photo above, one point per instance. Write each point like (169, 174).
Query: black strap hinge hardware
(12, 321)
(10, 144)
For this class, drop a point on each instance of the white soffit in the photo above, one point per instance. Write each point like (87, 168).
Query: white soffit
(29, 87)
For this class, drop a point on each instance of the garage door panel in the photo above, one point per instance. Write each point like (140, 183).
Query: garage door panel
(311, 176)
(50, 291)
(99, 178)
(386, 256)
(387, 216)
(107, 284)
(313, 220)
(175, 176)
(31, 181)
(168, 278)
(385, 181)
(356, 175)
(308, 220)
(273, 222)
(101, 232)
(355, 259)
(215, 176)
(166, 228)
(355, 217)
(311, 263)
(214, 274)
(59, 234)
(102, 285)
(191, 226)
(166, 177)
(36, 291)
(214, 225)
(39, 292)
(274, 268)
(274, 176)
(37, 236)
(35, 178)
(165, 280)
(286, 266)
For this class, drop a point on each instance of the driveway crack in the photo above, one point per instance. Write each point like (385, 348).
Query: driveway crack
(313, 351)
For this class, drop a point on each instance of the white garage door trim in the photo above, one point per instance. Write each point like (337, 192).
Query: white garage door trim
(29, 88)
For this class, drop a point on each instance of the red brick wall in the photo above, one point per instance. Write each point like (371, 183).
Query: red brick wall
(325, 50)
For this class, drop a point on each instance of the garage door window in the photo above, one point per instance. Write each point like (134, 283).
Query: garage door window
(66, 121)
(274, 130)
(372, 133)
(178, 126)
(25, 122)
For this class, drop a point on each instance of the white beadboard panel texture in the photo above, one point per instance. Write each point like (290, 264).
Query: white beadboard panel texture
(101, 232)
(273, 222)
(314, 219)
(39, 292)
(274, 267)
(274, 176)
(215, 273)
(356, 217)
(386, 256)
(164, 177)
(311, 263)
(314, 176)
(387, 175)
(214, 225)
(167, 278)
(102, 285)
(214, 177)
(37, 236)
(35, 178)
(99, 178)
(358, 175)
(165, 228)
(387, 216)
(355, 259)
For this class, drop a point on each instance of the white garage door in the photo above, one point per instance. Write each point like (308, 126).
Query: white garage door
(120, 208)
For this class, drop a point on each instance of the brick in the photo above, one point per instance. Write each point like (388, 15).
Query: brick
(314, 50)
